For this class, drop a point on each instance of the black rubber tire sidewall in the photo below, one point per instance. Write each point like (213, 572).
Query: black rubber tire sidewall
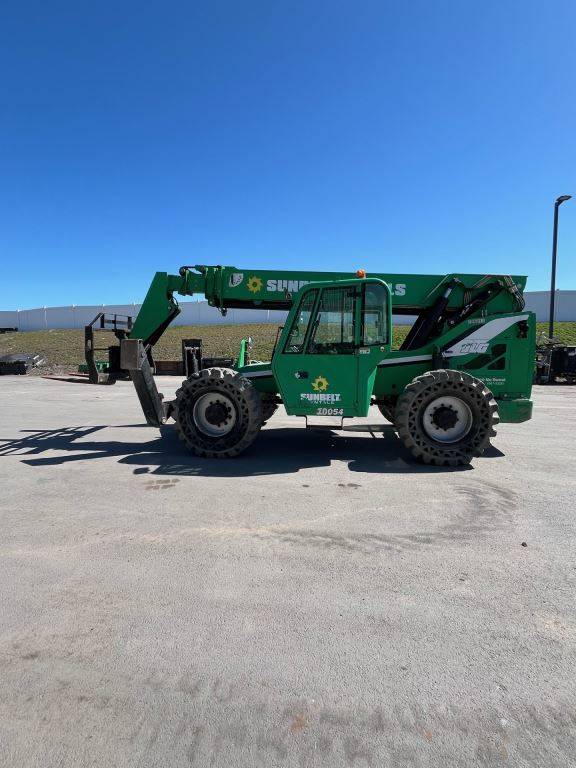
(246, 401)
(387, 412)
(426, 388)
(269, 406)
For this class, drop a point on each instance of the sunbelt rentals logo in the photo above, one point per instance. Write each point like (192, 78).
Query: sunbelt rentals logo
(254, 284)
(320, 395)
(320, 384)
(235, 279)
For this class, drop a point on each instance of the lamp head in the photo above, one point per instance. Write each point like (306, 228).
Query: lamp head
(562, 199)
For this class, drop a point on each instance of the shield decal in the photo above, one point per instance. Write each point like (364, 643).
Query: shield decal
(235, 279)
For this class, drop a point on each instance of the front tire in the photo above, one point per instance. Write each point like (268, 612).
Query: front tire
(218, 413)
(269, 406)
(446, 417)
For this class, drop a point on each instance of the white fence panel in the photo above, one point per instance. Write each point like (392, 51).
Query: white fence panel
(564, 305)
(190, 314)
(58, 317)
(200, 313)
(33, 320)
(9, 319)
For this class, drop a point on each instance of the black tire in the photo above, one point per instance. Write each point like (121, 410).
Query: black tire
(218, 413)
(466, 411)
(388, 411)
(269, 406)
(269, 401)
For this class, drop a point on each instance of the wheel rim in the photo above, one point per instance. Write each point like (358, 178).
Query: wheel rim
(214, 414)
(447, 419)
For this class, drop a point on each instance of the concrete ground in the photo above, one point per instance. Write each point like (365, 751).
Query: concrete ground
(320, 601)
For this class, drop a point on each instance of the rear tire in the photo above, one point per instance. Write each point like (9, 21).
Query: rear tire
(218, 413)
(387, 410)
(446, 417)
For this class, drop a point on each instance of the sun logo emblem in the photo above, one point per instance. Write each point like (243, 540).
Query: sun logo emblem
(254, 284)
(320, 384)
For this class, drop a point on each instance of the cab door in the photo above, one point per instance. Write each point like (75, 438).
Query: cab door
(375, 337)
(322, 367)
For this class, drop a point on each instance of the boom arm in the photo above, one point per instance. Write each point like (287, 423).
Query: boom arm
(228, 287)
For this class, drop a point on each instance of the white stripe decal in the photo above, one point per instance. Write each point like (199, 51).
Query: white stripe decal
(255, 374)
(478, 341)
(398, 360)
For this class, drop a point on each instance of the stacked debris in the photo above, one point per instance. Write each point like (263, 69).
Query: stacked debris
(18, 364)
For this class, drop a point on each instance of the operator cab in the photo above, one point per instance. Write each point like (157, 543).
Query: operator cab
(335, 336)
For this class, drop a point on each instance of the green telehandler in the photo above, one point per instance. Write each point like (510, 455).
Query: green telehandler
(465, 365)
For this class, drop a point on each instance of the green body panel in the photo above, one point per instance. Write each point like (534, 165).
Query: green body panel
(504, 363)
(515, 411)
(327, 384)
(158, 308)
(495, 344)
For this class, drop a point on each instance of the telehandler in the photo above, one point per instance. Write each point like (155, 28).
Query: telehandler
(465, 365)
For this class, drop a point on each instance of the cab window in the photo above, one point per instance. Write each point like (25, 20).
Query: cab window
(295, 343)
(333, 329)
(374, 315)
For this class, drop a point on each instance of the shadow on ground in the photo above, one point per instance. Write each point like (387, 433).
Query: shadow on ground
(276, 451)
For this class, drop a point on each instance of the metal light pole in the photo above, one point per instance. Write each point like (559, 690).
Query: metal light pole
(557, 204)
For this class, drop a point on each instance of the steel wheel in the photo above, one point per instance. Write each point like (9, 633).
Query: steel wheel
(214, 414)
(447, 419)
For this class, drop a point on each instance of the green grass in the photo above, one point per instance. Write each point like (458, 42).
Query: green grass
(565, 333)
(65, 348)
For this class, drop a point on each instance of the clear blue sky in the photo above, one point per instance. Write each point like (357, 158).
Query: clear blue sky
(418, 136)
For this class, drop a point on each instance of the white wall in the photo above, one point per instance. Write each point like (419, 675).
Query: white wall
(199, 313)
(193, 313)
(564, 305)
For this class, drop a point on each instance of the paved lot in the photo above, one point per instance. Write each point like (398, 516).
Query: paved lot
(321, 601)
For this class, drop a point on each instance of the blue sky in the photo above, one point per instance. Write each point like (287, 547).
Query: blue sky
(409, 137)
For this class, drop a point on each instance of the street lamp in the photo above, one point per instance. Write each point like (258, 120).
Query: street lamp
(557, 204)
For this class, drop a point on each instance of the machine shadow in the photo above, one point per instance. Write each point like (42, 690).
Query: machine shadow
(282, 450)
